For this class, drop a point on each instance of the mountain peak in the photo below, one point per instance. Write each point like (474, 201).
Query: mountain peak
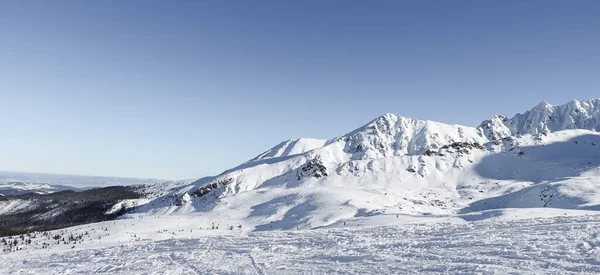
(389, 116)
(545, 118)
(395, 135)
(544, 105)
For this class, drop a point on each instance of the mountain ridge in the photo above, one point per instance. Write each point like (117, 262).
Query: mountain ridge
(408, 136)
(546, 118)
(394, 166)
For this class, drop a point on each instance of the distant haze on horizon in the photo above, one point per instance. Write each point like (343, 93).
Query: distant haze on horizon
(76, 181)
(174, 90)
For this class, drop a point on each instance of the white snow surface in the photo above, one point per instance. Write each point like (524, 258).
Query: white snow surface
(566, 242)
(397, 195)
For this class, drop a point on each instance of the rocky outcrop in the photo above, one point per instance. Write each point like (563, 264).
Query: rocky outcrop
(205, 189)
(312, 168)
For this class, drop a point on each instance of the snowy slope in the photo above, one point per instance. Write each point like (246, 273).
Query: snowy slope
(291, 147)
(566, 244)
(398, 165)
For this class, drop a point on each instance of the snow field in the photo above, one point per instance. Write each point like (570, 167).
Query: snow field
(555, 245)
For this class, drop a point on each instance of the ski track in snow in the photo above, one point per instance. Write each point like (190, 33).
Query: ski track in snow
(559, 245)
(255, 266)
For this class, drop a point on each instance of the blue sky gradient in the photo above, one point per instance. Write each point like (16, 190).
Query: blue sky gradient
(182, 89)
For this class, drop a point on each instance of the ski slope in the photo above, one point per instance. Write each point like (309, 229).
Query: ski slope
(567, 243)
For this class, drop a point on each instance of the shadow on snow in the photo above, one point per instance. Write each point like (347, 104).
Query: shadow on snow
(545, 166)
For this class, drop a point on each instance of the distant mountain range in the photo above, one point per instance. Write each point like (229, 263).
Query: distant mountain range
(45, 183)
(14, 188)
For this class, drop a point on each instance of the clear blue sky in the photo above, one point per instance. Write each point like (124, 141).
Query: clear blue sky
(181, 89)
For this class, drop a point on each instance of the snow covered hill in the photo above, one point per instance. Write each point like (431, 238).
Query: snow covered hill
(547, 157)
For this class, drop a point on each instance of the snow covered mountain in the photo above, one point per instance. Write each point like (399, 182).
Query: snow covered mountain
(393, 165)
(546, 157)
(385, 197)
(546, 118)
